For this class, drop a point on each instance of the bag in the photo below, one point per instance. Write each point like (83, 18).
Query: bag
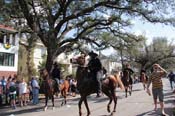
(12, 88)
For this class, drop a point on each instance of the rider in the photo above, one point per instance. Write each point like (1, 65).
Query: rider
(56, 73)
(128, 68)
(95, 68)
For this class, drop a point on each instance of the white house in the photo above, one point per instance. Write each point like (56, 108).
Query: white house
(9, 44)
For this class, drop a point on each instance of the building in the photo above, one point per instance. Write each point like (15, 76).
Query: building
(9, 43)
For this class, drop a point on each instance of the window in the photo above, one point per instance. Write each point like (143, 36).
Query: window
(1, 38)
(8, 38)
(7, 59)
(13, 39)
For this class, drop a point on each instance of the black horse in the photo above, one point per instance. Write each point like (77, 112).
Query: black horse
(127, 81)
(86, 86)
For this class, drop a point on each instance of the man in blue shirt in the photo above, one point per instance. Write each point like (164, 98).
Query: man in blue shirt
(171, 77)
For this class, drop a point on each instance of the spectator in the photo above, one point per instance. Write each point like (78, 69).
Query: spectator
(1, 93)
(3, 82)
(23, 92)
(157, 86)
(7, 89)
(73, 85)
(171, 77)
(12, 93)
(35, 90)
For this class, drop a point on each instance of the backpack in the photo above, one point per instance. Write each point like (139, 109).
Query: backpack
(12, 88)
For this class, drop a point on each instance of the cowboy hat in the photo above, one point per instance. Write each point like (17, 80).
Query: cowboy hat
(92, 54)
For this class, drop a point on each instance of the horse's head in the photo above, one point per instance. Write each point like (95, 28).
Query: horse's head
(44, 73)
(79, 60)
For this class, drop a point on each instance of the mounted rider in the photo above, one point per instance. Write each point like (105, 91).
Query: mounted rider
(56, 73)
(95, 67)
(128, 69)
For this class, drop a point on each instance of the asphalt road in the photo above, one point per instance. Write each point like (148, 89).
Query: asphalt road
(138, 104)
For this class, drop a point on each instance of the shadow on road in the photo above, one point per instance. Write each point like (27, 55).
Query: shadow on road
(168, 111)
(22, 111)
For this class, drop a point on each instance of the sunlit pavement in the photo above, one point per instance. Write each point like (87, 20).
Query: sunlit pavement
(139, 104)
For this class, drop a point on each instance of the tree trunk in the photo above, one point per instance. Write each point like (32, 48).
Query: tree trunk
(29, 70)
(50, 60)
(121, 55)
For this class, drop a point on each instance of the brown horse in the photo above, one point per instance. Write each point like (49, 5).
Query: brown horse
(64, 88)
(86, 86)
(50, 88)
(143, 79)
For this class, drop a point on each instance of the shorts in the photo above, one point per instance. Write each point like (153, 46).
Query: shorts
(158, 92)
(12, 96)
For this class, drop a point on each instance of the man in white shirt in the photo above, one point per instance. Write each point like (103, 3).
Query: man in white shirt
(35, 90)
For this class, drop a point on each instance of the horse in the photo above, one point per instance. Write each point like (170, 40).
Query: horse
(49, 87)
(143, 79)
(127, 81)
(64, 88)
(86, 86)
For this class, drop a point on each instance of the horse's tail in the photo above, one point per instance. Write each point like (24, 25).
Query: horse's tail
(119, 82)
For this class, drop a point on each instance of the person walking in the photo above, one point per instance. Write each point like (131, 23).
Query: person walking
(35, 90)
(171, 77)
(157, 86)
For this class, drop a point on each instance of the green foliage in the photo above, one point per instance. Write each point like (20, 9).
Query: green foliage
(159, 51)
(53, 21)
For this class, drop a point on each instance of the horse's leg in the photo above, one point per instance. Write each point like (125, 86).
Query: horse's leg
(130, 91)
(46, 100)
(115, 100)
(79, 105)
(65, 96)
(107, 93)
(63, 101)
(87, 107)
(53, 105)
(126, 91)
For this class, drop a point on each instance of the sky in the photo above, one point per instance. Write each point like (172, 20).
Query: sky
(150, 31)
(153, 30)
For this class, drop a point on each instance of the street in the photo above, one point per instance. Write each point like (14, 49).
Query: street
(138, 104)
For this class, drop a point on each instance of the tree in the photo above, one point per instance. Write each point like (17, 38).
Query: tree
(29, 45)
(159, 51)
(60, 24)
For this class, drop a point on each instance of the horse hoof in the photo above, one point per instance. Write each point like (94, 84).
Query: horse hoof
(80, 114)
(53, 108)
(88, 114)
(108, 109)
(112, 114)
(45, 108)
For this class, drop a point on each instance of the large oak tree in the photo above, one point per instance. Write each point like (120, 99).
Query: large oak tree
(60, 24)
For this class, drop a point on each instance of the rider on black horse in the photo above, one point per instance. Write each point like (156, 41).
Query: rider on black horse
(95, 68)
(128, 69)
(56, 74)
